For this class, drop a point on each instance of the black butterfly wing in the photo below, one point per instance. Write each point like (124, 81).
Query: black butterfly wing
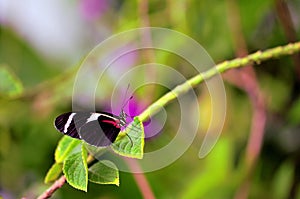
(70, 123)
(102, 131)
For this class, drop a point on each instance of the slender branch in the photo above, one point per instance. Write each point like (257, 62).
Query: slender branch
(140, 179)
(59, 183)
(245, 78)
(256, 57)
(56, 185)
(285, 19)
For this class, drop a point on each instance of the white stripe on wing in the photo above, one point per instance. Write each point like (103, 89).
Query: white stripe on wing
(69, 122)
(94, 116)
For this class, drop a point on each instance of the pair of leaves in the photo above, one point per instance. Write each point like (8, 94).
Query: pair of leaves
(65, 148)
(77, 172)
(71, 159)
(10, 85)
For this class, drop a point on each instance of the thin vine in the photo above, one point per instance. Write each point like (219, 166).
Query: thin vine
(181, 89)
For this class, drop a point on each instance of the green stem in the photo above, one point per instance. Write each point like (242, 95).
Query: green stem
(181, 89)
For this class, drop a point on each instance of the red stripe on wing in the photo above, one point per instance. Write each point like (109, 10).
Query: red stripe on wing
(114, 123)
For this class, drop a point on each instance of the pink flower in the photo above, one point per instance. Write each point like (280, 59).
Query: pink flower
(93, 9)
(152, 127)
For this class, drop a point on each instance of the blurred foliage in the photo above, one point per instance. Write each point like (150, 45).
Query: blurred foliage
(34, 89)
(10, 85)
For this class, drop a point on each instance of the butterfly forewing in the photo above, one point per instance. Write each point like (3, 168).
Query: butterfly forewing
(65, 124)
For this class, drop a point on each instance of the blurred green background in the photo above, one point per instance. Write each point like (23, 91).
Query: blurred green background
(43, 42)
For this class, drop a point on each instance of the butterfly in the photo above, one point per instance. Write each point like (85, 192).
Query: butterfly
(97, 129)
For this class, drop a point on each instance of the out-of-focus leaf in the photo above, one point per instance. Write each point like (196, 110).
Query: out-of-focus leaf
(10, 85)
(123, 144)
(76, 171)
(204, 22)
(53, 172)
(104, 172)
(217, 165)
(294, 113)
(65, 147)
(27, 62)
(282, 181)
(279, 98)
(250, 22)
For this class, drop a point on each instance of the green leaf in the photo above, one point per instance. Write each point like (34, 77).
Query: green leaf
(213, 173)
(282, 180)
(104, 172)
(65, 147)
(54, 172)
(10, 85)
(76, 171)
(123, 144)
(294, 112)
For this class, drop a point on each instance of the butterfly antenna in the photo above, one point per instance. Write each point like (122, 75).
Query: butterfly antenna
(125, 102)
